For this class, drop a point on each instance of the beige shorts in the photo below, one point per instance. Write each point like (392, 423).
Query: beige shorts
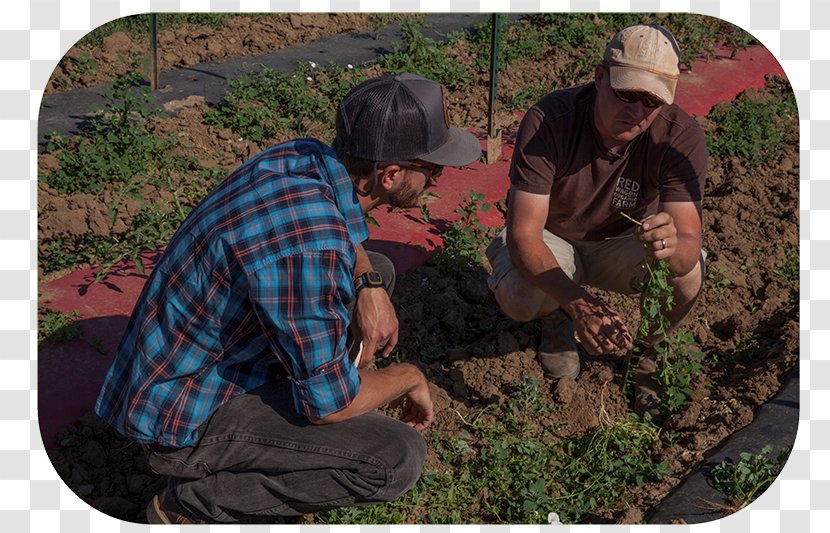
(616, 264)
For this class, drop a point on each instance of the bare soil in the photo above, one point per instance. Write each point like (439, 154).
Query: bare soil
(190, 44)
(751, 325)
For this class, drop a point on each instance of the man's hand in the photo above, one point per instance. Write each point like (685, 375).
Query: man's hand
(375, 323)
(658, 235)
(598, 327)
(417, 406)
(387, 386)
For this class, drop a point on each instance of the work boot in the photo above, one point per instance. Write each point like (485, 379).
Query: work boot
(163, 509)
(557, 346)
(647, 390)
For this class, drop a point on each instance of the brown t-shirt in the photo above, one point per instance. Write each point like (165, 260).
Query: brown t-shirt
(558, 152)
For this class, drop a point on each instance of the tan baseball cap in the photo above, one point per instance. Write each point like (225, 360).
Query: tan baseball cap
(644, 58)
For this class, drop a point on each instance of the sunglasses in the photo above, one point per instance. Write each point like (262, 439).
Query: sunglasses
(632, 97)
(433, 169)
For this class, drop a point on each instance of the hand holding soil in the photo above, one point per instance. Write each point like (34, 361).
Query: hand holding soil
(417, 409)
(598, 327)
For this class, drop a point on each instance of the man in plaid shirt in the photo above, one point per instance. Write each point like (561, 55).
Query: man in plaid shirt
(235, 370)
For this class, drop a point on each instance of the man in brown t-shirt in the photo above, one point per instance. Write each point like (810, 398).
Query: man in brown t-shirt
(585, 156)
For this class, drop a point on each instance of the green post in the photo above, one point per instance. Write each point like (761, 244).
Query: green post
(493, 136)
(154, 56)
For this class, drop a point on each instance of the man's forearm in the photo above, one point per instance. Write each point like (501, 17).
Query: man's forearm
(538, 265)
(377, 388)
(687, 255)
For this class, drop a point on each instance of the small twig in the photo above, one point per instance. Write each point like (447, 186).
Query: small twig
(631, 219)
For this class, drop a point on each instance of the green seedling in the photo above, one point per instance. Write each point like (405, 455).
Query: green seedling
(464, 237)
(751, 475)
(678, 357)
(718, 281)
(789, 271)
(55, 326)
(420, 55)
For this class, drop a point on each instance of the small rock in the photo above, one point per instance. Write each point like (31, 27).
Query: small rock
(507, 343)
(475, 291)
(456, 354)
(605, 375)
(632, 516)
(565, 390)
(136, 483)
(786, 164)
(460, 390)
(94, 454)
(522, 338)
(685, 418)
(83, 491)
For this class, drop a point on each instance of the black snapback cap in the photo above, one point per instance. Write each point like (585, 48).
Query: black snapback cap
(402, 117)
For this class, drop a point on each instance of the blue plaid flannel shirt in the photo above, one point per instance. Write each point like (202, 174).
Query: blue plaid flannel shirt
(252, 288)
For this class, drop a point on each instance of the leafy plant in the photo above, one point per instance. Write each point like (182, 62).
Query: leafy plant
(116, 146)
(421, 55)
(746, 349)
(463, 238)
(266, 104)
(510, 470)
(751, 129)
(77, 67)
(718, 281)
(55, 326)
(751, 475)
(789, 271)
(678, 357)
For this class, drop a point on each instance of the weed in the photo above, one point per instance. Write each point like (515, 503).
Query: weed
(421, 55)
(55, 326)
(750, 129)
(718, 281)
(265, 104)
(529, 398)
(463, 238)
(680, 362)
(601, 465)
(746, 349)
(77, 68)
(789, 271)
(678, 357)
(511, 471)
(751, 475)
(115, 147)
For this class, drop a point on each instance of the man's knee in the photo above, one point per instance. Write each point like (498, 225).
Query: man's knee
(521, 301)
(408, 464)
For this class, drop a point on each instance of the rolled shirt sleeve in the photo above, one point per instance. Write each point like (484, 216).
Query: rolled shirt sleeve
(301, 301)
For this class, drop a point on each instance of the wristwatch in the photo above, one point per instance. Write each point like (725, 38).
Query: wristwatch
(368, 279)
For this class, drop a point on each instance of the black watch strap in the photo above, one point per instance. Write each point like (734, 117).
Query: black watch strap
(368, 279)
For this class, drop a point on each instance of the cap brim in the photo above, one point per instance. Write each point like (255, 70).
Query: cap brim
(634, 79)
(461, 148)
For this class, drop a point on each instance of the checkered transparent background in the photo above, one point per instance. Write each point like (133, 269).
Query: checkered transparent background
(35, 35)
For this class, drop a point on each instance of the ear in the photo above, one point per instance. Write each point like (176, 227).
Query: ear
(599, 74)
(388, 176)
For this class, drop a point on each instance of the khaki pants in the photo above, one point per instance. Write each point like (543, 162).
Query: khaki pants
(616, 264)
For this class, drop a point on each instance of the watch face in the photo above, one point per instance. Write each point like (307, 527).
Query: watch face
(374, 279)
